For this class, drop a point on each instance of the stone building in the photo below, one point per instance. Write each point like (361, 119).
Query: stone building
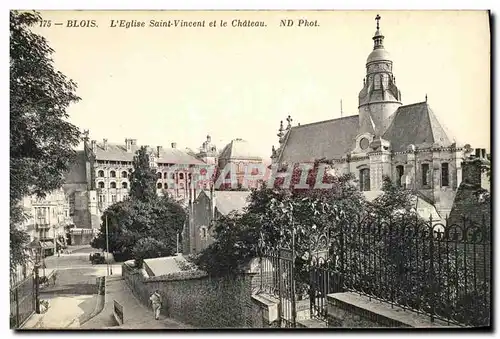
(100, 176)
(404, 142)
(204, 212)
(239, 155)
(47, 220)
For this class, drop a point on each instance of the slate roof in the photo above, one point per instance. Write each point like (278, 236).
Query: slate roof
(116, 152)
(332, 139)
(329, 139)
(229, 201)
(239, 149)
(415, 124)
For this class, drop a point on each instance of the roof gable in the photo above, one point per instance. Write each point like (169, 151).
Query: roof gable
(416, 125)
(239, 149)
(326, 139)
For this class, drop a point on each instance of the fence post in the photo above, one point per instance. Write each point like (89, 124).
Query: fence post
(17, 307)
(433, 289)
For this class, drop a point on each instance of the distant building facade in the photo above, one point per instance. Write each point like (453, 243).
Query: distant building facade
(47, 220)
(204, 212)
(405, 142)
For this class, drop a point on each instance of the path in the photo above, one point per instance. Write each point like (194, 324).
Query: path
(136, 315)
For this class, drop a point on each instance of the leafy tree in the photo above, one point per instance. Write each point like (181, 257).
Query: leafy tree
(143, 215)
(142, 178)
(42, 141)
(149, 248)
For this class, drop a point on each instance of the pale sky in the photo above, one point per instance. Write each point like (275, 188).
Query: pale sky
(162, 85)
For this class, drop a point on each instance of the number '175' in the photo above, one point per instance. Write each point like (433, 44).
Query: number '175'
(46, 23)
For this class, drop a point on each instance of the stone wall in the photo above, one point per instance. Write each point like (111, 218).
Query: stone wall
(197, 299)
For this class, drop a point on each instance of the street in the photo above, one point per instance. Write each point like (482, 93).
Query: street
(73, 298)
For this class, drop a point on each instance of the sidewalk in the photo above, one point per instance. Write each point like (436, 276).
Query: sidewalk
(136, 315)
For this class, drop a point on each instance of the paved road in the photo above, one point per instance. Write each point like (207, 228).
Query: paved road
(73, 297)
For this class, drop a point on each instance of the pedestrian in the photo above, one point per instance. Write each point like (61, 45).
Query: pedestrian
(54, 278)
(156, 303)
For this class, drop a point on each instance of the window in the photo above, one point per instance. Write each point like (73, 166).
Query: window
(181, 176)
(112, 174)
(189, 176)
(100, 184)
(425, 174)
(165, 186)
(124, 174)
(100, 174)
(124, 185)
(445, 175)
(159, 185)
(400, 170)
(113, 198)
(165, 175)
(102, 198)
(172, 176)
(364, 179)
(376, 81)
(112, 184)
(72, 204)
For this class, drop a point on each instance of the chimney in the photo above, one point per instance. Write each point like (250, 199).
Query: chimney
(478, 152)
(105, 144)
(133, 142)
(158, 151)
(93, 144)
(128, 145)
(483, 153)
(174, 145)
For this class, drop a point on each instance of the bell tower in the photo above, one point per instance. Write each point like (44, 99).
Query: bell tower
(380, 97)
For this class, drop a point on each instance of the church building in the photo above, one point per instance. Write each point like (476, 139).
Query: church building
(405, 142)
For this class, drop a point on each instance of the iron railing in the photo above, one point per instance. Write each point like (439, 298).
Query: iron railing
(22, 302)
(441, 270)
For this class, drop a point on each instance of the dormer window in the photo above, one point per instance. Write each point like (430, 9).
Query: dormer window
(364, 143)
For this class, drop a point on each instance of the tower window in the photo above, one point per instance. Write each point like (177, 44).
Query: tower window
(364, 179)
(445, 180)
(400, 170)
(203, 234)
(425, 174)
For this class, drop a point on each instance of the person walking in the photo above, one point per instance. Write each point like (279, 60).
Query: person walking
(156, 303)
(54, 278)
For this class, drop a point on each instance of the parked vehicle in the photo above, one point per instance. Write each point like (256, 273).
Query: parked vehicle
(96, 258)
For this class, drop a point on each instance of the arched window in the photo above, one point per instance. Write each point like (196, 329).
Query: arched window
(112, 184)
(158, 175)
(425, 174)
(172, 176)
(100, 174)
(189, 176)
(165, 186)
(124, 174)
(181, 176)
(100, 184)
(400, 170)
(124, 185)
(445, 175)
(159, 185)
(364, 179)
(165, 175)
(112, 174)
(376, 81)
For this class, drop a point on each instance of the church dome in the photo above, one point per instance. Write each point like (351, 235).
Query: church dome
(378, 54)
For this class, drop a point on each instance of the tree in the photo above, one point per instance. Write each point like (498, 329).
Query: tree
(42, 141)
(142, 178)
(143, 215)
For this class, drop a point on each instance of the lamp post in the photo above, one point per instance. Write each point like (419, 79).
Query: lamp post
(36, 246)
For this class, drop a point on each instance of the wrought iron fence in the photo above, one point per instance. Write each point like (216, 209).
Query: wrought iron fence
(22, 302)
(437, 269)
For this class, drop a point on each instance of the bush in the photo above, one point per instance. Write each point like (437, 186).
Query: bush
(149, 248)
